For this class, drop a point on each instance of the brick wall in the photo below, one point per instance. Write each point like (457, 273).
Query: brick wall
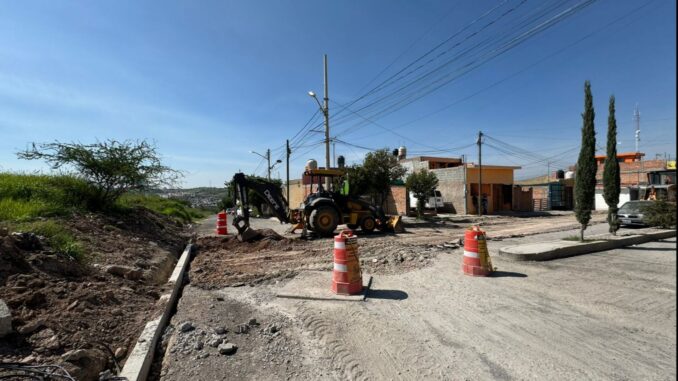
(631, 173)
(397, 202)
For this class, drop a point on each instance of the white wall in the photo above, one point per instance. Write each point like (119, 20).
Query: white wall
(600, 201)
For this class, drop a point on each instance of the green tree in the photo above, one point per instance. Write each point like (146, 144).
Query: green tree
(382, 168)
(111, 167)
(585, 177)
(611, 179)
(358, 179)
(422, 184)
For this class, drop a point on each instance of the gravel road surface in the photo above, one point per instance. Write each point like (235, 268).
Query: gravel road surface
(608, 315)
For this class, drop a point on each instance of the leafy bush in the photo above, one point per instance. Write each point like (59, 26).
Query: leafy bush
(111, 168)
(660, 214)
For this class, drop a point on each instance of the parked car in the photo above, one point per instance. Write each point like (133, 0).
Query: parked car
(432, 202)
(631, 213)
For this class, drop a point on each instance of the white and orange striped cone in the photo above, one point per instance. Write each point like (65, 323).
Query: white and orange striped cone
(346, 276)
(476, 260)
(222, 221)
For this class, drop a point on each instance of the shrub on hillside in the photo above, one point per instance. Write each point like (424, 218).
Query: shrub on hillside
(111, 168)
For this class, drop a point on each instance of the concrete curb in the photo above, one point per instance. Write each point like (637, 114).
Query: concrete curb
(140, 359)
(570, 249)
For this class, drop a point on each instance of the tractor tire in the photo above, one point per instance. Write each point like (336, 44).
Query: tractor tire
(368, 224)
(324, 220)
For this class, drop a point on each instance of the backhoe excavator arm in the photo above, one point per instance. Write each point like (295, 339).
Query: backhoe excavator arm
(268, 192)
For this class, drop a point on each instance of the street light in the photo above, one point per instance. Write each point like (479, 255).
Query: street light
(324, 107)
(268, 160)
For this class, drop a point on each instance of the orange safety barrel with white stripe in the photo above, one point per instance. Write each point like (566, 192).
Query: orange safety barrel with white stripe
(222, 223)
(476, 257)
(346, 276)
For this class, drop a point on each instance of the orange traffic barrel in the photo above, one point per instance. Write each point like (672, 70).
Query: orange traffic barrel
(346, 276)
(221, 223)
(476, 260)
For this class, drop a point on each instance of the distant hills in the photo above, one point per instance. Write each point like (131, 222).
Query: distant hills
(201, 197)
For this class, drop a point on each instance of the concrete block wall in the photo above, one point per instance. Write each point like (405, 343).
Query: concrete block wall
(451, 186)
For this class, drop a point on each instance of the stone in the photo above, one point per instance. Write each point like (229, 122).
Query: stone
(134, 274)
(220, 330)
(215, 341)
(272, 328)
(203, 355)
(85, 364)
(120, 352)
(72, 305)
(252, 322)
(5, 319)
(375, 260)
(242, 328)
(186, 326)
(28, 359)
(199, 345)
(227, 349)
(31, 327)
(52, 343)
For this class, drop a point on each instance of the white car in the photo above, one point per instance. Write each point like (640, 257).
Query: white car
(432, 202)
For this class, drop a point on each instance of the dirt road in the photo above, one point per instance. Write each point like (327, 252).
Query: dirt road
(610, 315)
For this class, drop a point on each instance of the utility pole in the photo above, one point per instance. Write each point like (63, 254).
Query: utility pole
(334, 154)
(326, 111)
(288, 151)
(480, 174)
(636, 120)
(268, 159)
(463, 162)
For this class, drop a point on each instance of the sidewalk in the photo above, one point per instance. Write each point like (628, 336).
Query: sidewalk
(544, 251)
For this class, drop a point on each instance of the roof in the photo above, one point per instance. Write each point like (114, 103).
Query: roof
(623, 155)
(433, 158)
(490, 166)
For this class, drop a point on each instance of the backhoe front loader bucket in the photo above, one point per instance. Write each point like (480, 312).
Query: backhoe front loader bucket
(392, 224)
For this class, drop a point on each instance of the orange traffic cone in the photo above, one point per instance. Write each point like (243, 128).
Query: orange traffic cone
(222, 220)
(476, 260)
(346, 276)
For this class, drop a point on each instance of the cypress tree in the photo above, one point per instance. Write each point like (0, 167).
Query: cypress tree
(611, 180)
(585, 177)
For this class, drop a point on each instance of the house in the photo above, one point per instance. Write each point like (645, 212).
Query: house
(458, 183)
(549, 192)
(635, 174)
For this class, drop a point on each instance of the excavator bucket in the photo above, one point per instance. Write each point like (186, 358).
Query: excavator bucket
(245, 232)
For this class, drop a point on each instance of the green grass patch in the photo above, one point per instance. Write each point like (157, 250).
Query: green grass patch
(24, 196)
(180, 210)
(59, 238)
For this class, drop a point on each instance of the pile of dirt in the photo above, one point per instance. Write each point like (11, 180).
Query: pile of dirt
(85, 316)
(227, 262)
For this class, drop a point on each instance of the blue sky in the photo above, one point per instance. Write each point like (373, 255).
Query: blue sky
(209, 81)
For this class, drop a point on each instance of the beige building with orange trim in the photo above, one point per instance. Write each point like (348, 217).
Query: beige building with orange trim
(458, 183)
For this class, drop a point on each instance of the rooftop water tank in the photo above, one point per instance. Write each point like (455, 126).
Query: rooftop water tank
(311, 165)
(402, 153)
(560, 174)
(341, 162)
